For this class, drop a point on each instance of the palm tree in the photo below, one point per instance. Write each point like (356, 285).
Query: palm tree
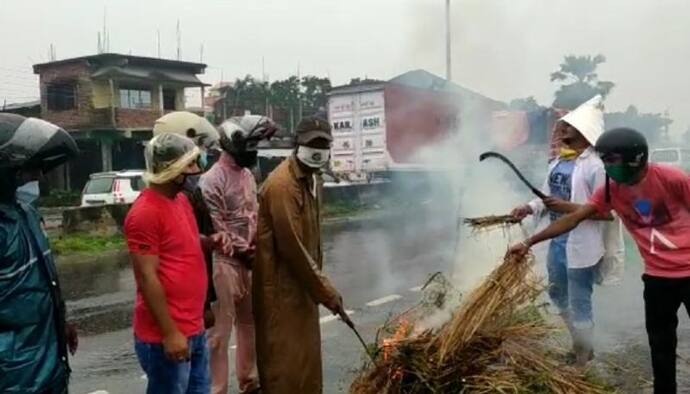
(579, 81)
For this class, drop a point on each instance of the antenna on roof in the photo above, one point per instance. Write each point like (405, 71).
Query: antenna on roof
(51, 53)
(106, 45)
(263, 68)
(159, 43)
(179, 41)
(201, 53)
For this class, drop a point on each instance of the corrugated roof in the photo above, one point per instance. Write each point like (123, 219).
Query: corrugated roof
(109, 58)
(418, 79)
(15, 106)
(422, 79)
(366, 86)
(147, 74)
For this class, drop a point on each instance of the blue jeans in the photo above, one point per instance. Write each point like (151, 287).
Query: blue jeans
(570, 289)
(169, 377)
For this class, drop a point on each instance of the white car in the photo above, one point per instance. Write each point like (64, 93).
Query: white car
(117, 187)
(678, 157)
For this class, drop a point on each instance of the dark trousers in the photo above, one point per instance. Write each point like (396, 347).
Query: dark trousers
(662, 298)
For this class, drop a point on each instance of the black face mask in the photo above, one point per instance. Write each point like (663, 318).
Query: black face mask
(246, 159)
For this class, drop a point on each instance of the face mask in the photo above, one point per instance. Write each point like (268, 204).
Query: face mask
(312, 157)
(246, 159)
(568, 154)
(203, 160)
(621, 173)
(28, 192)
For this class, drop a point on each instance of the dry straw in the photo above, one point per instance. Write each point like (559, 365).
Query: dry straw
(496, 342)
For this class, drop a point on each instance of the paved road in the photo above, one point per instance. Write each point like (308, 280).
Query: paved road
(377, 269)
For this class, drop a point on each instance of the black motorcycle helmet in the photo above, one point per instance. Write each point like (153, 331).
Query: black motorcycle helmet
(240, 137)
(630, 144)
(626, 146)
(33, 143)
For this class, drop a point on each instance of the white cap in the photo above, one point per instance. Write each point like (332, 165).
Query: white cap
(588, 119)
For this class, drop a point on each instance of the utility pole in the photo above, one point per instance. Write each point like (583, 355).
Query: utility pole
(448, 64)
(179, 41)
(299, 93)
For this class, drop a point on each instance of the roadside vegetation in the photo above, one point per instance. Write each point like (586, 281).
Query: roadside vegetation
(83, 243)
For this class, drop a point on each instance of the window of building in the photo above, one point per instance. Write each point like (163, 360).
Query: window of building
(135, 98)
(169, 98)
(61, 96)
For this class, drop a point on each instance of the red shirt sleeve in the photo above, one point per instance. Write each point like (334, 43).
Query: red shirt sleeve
(679, 184)
(142, 230)
(598, 200)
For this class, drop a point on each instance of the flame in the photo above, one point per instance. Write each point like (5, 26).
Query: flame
(390, 344)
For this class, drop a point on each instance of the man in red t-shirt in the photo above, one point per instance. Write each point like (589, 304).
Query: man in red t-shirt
(166, 251)
(653, 201)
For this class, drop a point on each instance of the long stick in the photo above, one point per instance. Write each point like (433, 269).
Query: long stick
(346, 319)
(517, 172)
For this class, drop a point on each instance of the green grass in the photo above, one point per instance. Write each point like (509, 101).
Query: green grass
(342, 209)
(86, 244)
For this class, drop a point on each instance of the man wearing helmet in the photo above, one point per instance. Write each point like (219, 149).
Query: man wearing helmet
(168, 261)
(229, 189)
(206, 137)
(653, 202)
(34, 337)
(288, 281)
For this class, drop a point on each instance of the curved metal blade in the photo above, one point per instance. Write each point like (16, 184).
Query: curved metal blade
(517, 172)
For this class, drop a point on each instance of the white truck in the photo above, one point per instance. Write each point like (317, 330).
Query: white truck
(358, 118)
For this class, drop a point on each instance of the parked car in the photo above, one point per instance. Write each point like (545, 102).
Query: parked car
(117, 187)
(679, 157)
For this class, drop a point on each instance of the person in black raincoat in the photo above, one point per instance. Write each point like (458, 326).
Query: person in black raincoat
(34, 338)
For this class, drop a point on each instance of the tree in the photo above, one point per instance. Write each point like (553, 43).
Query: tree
(527, 104)
(282, 100)
(579, 81)
(652, 125)
(314, 94)
(285, 100)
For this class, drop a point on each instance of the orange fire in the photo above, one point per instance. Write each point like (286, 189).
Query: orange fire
(390, 344)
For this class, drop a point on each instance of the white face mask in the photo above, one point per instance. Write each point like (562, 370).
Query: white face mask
(312, 157)
(28, 192)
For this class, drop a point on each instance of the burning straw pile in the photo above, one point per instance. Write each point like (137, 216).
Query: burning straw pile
(495, 342)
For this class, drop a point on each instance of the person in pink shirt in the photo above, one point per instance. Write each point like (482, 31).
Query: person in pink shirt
(229, 190)
(653, 202)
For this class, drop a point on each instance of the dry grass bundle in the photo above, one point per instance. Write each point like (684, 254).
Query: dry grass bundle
(495, 342)
(486, 223)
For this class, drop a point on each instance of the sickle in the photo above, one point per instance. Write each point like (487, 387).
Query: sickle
(524, 180)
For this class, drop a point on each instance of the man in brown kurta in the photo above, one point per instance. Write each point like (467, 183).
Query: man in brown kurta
(288, 284)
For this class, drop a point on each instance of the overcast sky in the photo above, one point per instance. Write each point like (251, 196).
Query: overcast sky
(501, 48)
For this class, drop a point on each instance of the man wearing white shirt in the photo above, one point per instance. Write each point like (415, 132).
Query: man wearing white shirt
(575, 259)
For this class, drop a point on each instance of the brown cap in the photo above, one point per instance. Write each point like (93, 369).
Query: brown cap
(311, 128)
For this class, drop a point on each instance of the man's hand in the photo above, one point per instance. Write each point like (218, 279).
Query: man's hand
(521, 212)
(72, 338)
(335, 305)
(222, 243)
(176, 347)
(520, 249)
